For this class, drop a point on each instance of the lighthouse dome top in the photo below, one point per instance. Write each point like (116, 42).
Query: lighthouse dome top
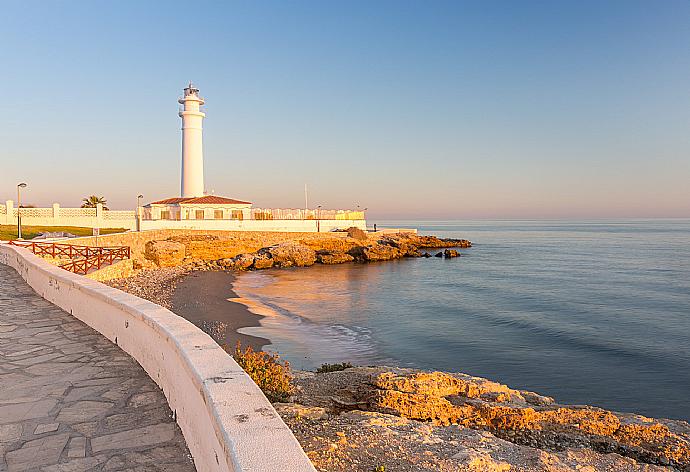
(191, 93)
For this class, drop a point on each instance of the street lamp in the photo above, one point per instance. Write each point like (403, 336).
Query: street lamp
(139, 197)
(318, 219)
(19, 206)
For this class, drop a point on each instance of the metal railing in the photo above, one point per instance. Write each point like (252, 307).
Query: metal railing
(83, 258)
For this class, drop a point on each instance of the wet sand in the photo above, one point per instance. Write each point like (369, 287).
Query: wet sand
(202, 298)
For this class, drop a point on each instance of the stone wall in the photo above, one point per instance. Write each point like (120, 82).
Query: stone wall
(117, 270)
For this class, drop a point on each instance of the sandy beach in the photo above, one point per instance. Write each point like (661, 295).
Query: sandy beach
(203, 298)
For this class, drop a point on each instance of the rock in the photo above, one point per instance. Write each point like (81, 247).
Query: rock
(243, 261)
(449, 253)
(477, 403)
(326, 257)
(262, 261)
(295, 410)
(165, 253)
(438, 254)
(356, 233)
(228, 263)
(290, 254)
(376, 252)
(434, 242)
(425, 254)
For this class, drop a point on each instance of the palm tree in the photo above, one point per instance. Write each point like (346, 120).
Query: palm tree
(92, 200)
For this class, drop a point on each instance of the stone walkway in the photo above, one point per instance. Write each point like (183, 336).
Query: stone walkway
(72, 401)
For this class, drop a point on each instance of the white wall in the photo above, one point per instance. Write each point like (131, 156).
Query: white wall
(99, 218)
(227, 422)
(255, 225)
(58, 216)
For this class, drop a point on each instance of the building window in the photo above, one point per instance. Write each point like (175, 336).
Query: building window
(199, 214)
(218, 214)
(165, 214)
(237, 215)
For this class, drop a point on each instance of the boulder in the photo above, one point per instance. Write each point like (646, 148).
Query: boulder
(324, 257)
(376, 252)
(290, 254)
(262, 261)
(356, 233)
(242, 261)
(448, 253)
(227, 263)
(438, 254)
(164, 253)
(425, 254)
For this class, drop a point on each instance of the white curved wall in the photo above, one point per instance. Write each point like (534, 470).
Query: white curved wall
(227, 422)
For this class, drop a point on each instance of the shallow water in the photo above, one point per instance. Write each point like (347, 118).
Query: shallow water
(588, 312)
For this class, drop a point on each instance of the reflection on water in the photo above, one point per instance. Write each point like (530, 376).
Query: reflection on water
(313, 315)
(588, 312)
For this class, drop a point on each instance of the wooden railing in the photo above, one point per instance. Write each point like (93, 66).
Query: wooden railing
(83, 258)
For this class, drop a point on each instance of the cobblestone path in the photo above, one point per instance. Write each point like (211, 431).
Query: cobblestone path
(72, 401)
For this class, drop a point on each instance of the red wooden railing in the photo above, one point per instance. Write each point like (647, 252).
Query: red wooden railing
(83, 258)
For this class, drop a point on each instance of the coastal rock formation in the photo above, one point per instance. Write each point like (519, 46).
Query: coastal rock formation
(165, 253)
(448, 253)
(459, 403)
(289, 254)
(263, 261)
(375, 252)
(202, 251)
(328, 257)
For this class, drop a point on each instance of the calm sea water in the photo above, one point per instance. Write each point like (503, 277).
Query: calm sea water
(588, 312)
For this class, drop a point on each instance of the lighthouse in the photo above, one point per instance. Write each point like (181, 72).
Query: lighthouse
(192, 148)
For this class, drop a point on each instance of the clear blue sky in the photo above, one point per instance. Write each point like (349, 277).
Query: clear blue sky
(412, 109)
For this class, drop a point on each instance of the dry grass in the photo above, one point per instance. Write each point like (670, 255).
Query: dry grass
(267, 371)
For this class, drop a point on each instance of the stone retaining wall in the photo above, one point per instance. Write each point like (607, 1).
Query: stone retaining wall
(228, 424)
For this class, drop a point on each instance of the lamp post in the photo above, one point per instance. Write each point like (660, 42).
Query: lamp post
(318, 219)
(20, 186)
(139, 197)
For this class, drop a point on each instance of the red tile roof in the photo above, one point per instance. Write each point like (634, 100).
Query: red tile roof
(205, 200)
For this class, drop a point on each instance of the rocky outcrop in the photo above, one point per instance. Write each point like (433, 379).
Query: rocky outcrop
(165, 253)
(289, 254)
(375, 252)
(304, 251)
(263, 261)
(449, 253)
(434, 242)
(328, 257)
(521, 417)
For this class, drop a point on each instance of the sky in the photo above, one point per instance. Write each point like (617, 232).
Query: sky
(415, 110)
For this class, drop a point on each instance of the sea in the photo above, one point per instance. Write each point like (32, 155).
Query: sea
(588, 312)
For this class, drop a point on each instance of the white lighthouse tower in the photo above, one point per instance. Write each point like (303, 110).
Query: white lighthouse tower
(192, 148)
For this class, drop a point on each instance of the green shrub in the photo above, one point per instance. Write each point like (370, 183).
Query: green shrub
(333, 367)
(267, 371)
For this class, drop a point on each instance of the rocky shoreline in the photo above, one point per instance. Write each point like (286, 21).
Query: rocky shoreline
(362, 418)
(355, 246)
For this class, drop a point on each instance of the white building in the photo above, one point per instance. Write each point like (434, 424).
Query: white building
(208, 207)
